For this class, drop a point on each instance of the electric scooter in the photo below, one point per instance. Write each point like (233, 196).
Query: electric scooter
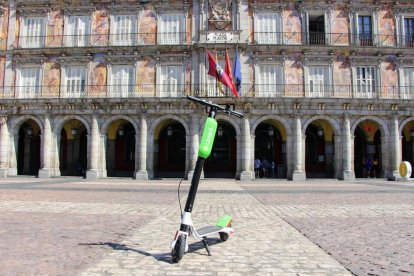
(223, 226)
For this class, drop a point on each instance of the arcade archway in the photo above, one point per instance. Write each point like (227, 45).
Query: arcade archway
(270, 146)
(319, 150)
(169, 150)
(222, 161)
(28, 152)
(73, 157)
(367, 150)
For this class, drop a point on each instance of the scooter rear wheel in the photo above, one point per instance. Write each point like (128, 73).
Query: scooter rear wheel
(179, 249)
(223, 236)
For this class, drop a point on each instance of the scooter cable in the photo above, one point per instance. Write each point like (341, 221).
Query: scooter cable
(178, 192)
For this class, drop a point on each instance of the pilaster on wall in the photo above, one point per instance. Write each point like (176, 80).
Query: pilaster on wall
(4, 148)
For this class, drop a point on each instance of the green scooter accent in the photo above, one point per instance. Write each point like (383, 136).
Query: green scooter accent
(224, 221)
(207, 139)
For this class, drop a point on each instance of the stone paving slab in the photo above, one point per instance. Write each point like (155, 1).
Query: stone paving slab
(263, 244)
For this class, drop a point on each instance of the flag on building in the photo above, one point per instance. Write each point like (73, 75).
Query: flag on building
(237, 72)
(227, 67)
(218, 83)
(215, 70)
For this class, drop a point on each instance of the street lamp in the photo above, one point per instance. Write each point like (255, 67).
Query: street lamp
(74, 131)
(169, 131)
(412, 133)
(320, 132)
(121, 131)
(29, 131)
(270, 131)
(219, 131)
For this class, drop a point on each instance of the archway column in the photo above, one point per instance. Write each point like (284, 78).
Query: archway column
(46, 149)
(4, 148)
(193, 139)
(141, 151)
(395, 152)
(14, 140)
(93, 150)
(298, 173)
(348, 172)
(246, 158)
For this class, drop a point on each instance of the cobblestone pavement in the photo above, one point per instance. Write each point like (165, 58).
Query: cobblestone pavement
(67, 226)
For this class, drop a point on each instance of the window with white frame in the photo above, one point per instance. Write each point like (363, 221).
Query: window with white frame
(77, 31)
(123, 29)
(30, 80)
(121, 80)
(32, 34)
(75, 81)
(366, 81)
(171, 29)
(270, 81)
(408, 32)
(318, 81)
(408, 82)
(172, 81)
(267, 28)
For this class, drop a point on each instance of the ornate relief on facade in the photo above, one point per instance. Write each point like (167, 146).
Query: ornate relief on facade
(220, 13)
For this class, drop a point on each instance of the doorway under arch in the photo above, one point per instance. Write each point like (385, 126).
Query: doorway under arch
(28, 149)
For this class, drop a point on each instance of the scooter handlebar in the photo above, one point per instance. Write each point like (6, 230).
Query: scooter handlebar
(216, 106)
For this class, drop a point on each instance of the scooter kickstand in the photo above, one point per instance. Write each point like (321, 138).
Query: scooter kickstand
(206, 245)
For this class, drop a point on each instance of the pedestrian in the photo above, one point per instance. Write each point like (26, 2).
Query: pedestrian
(257, 165)
(266, 167)
(369, 167)
(272, 168)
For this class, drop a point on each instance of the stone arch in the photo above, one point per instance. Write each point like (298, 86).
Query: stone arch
(382, 124)
(278, 118)
(105, 125)
(335, 125)
(16, 123)
(230, 120)
(168, 117)
(403, 123)
(59, 124)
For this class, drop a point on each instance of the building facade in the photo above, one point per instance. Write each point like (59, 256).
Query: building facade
(97, 87)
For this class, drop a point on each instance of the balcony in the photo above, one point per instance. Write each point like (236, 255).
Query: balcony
(104, 40)
(207, 90)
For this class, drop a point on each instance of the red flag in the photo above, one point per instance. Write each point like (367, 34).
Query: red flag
(216, 71)
(227, 67)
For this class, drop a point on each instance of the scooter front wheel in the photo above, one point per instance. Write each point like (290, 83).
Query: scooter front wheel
(179, 249)
(223, 236)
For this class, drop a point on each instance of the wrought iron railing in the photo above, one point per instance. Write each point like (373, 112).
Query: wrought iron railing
(105, 39)
(147, 90)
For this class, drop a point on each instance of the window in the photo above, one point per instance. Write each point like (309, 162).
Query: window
(77, 31)
(316, 29)
(408, 83)
(172, 81)
(267, 28)
(408, 32)
(172, 29)
(270, 81)
(30, 79)
(75, 81)
(318, 81)
(365, 82)
(121, 80)
(32, 35)
(365, 30)
(123, 29)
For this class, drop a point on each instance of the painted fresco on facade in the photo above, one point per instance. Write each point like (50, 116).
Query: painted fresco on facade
(292, 27)
(389, 78)
(342, 77)
(2, 67)
(294, 77)
(147, 27)
(386, 27)
(54, 29)
(100, 28)
(97, 79)
(340, 26)
(146, 69)
(51, 79)
(4, 19)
